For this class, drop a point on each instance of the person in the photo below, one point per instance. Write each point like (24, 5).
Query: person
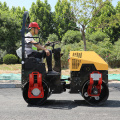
(34, 28)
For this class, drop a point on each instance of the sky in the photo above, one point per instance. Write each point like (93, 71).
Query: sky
(27, 3)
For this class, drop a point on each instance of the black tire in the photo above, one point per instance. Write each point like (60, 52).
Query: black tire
(102, 98)
(35, 101)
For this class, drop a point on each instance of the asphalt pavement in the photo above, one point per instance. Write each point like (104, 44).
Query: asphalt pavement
(63, 106)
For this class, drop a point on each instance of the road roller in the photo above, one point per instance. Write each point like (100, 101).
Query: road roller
(88, 74)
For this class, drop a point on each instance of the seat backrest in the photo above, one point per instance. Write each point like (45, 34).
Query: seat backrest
(19, 53)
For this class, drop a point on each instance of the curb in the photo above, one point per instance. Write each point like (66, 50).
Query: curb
(10, 85)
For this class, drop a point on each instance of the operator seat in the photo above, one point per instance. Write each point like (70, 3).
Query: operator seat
(19, 54)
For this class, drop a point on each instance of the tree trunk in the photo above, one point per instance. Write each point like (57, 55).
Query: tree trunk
(83, 35)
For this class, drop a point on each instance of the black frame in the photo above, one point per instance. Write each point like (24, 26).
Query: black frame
(26, 22)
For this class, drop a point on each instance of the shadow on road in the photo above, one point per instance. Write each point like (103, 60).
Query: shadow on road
(69, 104)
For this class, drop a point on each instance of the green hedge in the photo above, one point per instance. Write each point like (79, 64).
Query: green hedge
(10, 59)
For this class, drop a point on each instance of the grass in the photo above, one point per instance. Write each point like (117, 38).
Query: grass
(10, 67)
(17, 67)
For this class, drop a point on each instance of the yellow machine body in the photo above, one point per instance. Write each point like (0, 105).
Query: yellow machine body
(77, 58)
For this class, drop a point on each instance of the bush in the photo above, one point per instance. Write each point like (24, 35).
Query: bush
(52, 37)
(105, 49)
(109, 52)
(71, 37)
(97, 37)
(66, 49)
(114, 58)
(10, 59)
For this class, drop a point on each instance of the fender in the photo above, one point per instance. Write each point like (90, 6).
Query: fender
(95, 76)
(35, 86)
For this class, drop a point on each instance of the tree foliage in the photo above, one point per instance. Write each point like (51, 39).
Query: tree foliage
(9, 31)
(40, 12)
(97, 36)
(71, 37)
(107, 21)
(84, 13)
(4, 6)
(52, 37)
(10, 25)
(62, 23)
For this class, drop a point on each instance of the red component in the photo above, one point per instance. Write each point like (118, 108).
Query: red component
(91, 85)
(37, 85)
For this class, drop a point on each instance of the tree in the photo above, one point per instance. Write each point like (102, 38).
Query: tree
(41, 13)
(4, 6)
(10, 25)
(13, 9)
(62, 23)
(107, 21)
(9, 31)
(84, 13)
(116, 28)
(118, 7)
(19, 13)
